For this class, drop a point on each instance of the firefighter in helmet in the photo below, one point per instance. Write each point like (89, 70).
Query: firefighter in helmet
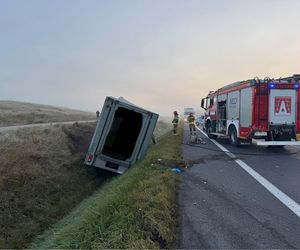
(191, 120)
(175, 122)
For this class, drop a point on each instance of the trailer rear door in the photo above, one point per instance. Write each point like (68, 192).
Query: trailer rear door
(282, 106)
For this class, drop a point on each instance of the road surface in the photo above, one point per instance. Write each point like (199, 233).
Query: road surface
(248, 198)
(12, 128)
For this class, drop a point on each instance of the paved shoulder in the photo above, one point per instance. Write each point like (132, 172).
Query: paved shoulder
(224, 207)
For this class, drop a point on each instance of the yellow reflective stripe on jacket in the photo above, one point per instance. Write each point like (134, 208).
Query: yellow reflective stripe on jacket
(191, 119)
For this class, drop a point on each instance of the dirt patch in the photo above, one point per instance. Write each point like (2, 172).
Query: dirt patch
(204, 159)
(80, 136)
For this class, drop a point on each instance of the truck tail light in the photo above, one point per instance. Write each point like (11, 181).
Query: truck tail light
(89, 157)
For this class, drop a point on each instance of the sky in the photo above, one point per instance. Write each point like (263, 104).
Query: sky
(162, 55)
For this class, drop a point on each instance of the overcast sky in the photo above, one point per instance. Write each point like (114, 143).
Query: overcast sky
(163, 55)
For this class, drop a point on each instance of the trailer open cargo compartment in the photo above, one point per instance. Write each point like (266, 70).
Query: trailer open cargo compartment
(122, 135)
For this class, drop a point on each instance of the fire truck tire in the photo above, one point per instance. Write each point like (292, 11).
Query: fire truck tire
(234, 140)
(208, 129)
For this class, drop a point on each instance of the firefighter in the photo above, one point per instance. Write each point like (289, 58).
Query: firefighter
(175, 122)
(191, 120)
(97, 113)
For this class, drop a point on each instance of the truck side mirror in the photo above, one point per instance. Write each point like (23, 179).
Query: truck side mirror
(202, 103)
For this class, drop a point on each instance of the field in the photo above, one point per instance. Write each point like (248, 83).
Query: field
(42, 177)
(162, 127)
(137, 210)
(20, 113)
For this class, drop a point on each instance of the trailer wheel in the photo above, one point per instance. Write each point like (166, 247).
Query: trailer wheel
(234, 140)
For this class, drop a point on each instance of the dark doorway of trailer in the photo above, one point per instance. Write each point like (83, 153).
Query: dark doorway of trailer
(122, 137)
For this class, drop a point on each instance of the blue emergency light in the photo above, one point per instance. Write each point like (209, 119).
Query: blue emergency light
(296, 85)
(272, 85)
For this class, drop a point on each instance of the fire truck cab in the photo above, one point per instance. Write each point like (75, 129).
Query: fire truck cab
(262, 112)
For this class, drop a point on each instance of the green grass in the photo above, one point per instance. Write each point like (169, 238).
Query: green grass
(135, 210)
(42, 178)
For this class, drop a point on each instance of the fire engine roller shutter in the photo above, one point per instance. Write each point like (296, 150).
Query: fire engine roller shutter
(246, 108)
(233, 105)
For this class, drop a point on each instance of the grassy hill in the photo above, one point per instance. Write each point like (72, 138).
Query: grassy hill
(137, 210)
(42, 178)
(21, 113)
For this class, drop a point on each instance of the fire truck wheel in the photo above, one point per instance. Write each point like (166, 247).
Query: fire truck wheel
(210, 135)
(233, 136)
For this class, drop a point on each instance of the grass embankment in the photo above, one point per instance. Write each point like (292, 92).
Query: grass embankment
(42, 177)
(21, 113)
(135, 210)
(162, 127)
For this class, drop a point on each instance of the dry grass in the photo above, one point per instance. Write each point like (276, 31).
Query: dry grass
(20, 113)
(137, 210)
(42, 178)
(163, 126)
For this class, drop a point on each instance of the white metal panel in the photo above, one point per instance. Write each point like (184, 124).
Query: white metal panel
(246, 107)
(275, 143)
(236, 125)
(222, 98)
(282, 106)
(233, 103)
(106, 122)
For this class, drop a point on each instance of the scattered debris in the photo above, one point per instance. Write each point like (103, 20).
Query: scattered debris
(177, 169)
(194, 139)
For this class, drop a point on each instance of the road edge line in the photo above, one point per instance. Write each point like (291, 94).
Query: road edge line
(281, 196)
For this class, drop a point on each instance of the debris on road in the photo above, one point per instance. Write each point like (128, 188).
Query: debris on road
(177, 170)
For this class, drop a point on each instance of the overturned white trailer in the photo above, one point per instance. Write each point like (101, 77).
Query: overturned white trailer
(122, 135)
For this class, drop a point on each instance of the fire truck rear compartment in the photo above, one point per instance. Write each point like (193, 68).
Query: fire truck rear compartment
(282, 133)
(123, 134)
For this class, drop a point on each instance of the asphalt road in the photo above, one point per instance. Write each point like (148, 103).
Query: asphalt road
(224, 206)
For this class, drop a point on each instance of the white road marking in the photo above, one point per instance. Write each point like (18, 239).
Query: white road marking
(286, 200)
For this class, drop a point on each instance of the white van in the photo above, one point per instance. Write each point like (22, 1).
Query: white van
(186, 113)
(121, 137)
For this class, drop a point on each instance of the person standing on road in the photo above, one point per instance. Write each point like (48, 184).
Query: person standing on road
(175, 122)
(191, 120)
(97, 113)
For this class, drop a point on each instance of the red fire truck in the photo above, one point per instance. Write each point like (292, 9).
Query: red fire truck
(264, 112)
